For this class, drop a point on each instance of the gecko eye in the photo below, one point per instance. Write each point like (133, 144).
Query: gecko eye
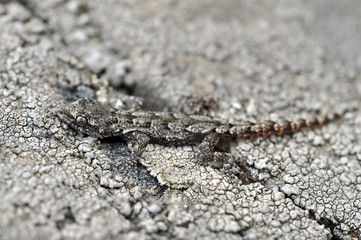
(81, 121)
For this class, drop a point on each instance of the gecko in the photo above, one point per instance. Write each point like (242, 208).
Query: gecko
(139, 128)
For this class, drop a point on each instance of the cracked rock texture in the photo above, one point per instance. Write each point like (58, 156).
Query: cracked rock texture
(258, 59)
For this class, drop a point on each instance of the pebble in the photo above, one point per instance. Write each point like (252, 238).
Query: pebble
(84, 147)
(318, 141)
(18, 11)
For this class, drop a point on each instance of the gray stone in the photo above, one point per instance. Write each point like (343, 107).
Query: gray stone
(262, 61)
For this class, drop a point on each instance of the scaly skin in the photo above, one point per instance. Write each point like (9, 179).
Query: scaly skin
(140, 128)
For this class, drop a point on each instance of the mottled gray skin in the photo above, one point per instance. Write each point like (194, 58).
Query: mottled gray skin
(139, 128)
(164, 128)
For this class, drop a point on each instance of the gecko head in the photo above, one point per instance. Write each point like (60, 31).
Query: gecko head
(89, 117)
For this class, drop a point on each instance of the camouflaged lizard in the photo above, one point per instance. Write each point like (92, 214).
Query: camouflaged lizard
(140, 128)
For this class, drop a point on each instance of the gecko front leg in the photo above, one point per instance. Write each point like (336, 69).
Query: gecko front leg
(206, 147)
(137, 143)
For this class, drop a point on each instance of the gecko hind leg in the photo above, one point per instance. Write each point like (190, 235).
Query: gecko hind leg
(205, 153)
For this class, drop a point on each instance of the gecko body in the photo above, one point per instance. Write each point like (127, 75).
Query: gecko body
(140, 128)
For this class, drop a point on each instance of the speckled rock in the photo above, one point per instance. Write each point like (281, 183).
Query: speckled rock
(266, 61)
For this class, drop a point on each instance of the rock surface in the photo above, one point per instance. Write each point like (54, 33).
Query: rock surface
(259, 59)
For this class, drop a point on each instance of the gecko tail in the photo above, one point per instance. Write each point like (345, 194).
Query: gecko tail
(265, 128)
